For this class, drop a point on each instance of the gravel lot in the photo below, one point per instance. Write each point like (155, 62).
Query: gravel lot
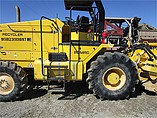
(78, 102)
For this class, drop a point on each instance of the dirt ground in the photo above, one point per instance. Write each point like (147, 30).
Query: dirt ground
(78, 102)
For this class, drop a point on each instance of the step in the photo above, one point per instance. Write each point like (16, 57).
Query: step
(56, 79)
(57, 90)
(59, 66)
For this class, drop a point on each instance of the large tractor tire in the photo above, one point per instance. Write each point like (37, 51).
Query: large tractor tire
(112, 76)
(13, 81)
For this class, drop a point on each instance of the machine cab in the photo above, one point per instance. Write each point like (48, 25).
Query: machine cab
(83, 28)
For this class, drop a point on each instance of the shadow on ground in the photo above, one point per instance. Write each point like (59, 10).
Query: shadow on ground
(33, 92)
(139, 90)
(73, 91)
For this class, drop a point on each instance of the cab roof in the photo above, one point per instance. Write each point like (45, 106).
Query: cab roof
(81, 5)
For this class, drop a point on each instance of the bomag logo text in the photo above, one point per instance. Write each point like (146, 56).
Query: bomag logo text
(81, 52)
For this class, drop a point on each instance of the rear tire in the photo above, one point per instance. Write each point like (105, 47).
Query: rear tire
(13, 81)
(112, 76)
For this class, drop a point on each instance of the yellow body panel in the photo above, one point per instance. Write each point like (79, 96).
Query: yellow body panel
(15, 55)
(78, 53)
(26, 35)
(81, 36)
(75, 72)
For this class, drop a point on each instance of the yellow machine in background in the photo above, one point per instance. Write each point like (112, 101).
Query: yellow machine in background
(53, 50)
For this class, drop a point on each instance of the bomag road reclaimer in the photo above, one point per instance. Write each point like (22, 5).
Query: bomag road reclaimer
(55, 51)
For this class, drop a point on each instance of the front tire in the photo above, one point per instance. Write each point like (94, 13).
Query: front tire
(112, 76)
(13, 81)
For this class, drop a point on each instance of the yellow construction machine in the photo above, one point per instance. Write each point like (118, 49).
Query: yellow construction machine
(62, 51)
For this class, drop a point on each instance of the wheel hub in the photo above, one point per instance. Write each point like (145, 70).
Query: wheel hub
(114, 78)
(6, 84)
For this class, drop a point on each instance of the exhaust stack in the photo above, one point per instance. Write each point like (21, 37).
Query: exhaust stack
(17, 14)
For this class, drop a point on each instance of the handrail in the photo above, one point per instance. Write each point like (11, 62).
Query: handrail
(41, 39)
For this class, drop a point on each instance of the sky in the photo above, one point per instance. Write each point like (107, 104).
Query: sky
(34, 9)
